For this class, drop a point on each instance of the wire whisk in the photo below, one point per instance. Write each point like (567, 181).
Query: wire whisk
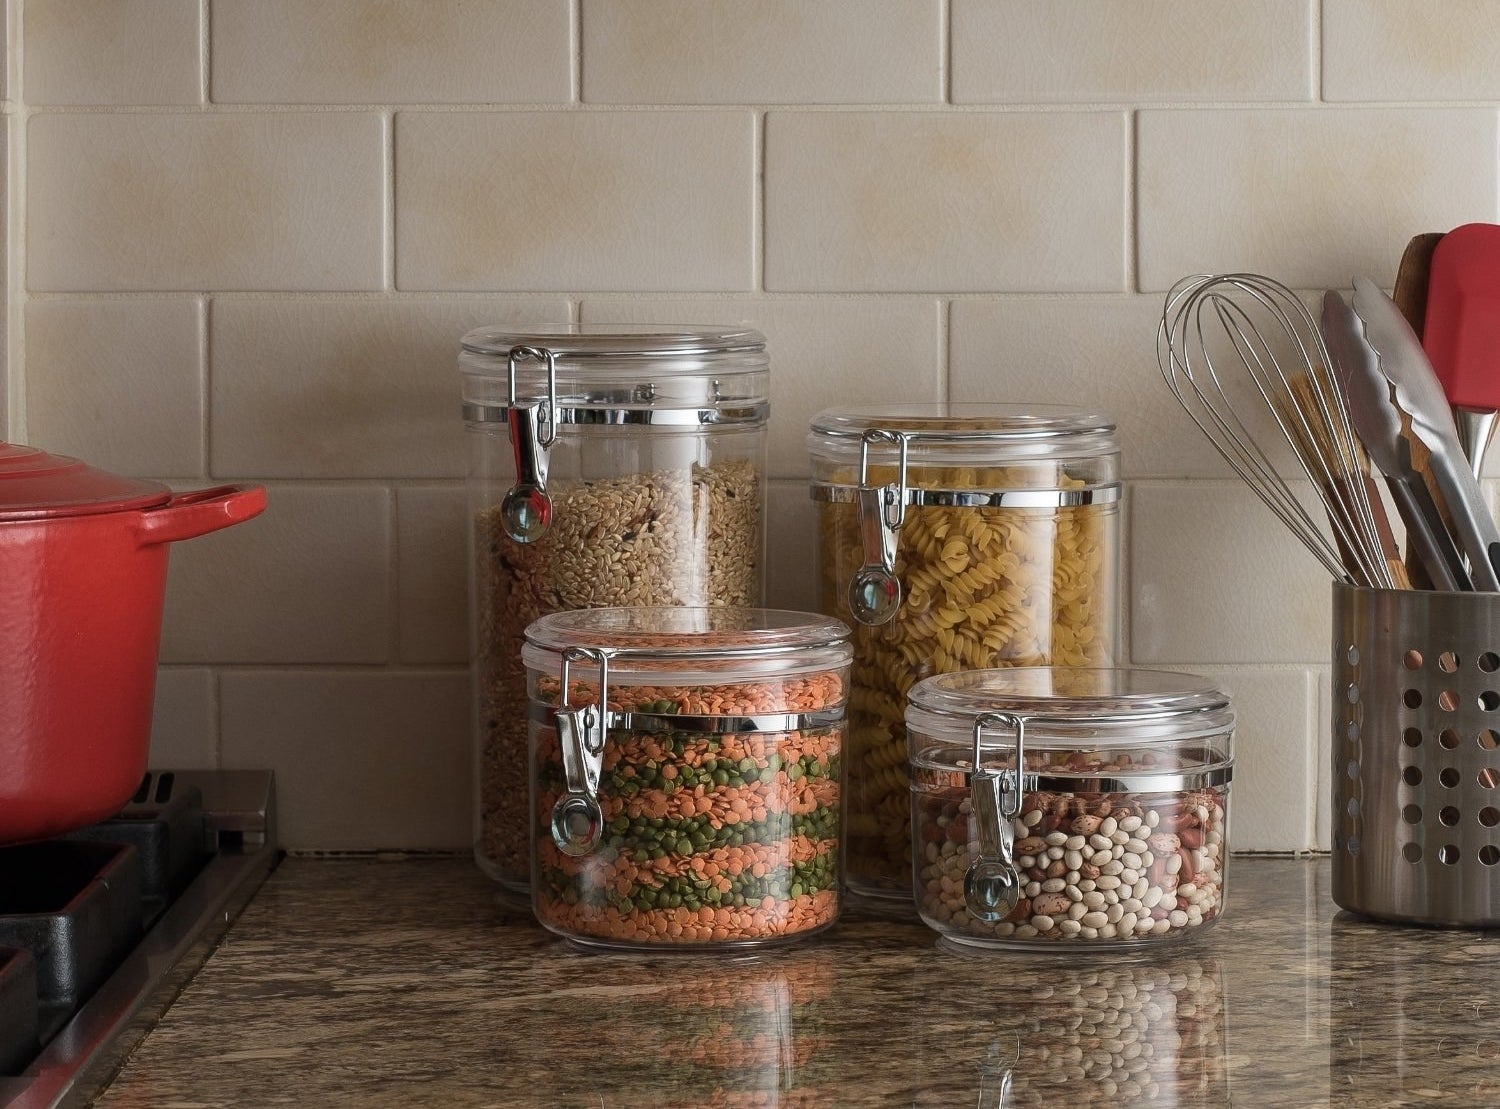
(1218, 330)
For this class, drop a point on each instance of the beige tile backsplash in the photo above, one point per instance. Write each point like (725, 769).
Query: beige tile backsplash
(246, 235)
(1022, 52)
(967, 201)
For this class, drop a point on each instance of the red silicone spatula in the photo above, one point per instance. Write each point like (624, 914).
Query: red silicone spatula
(1462, 331)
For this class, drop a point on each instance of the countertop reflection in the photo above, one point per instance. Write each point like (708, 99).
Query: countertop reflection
(395, 982)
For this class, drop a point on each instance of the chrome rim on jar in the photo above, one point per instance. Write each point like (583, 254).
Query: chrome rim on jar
(1069, 804)
(686, 774)
(608, 466)
(956, 537)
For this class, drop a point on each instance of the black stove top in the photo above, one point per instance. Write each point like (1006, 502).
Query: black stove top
(97, 927)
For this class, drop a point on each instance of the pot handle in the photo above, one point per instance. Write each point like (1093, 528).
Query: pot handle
(188, 515)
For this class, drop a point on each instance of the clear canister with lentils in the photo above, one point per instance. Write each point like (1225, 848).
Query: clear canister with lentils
(700, 807)
(955, 537)
(608, 466)
(1069, 805)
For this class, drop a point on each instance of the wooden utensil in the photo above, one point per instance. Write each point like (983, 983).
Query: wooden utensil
(1462, 331)
(1412, 278)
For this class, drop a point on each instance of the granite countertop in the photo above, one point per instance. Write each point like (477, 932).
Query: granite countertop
(408, 982)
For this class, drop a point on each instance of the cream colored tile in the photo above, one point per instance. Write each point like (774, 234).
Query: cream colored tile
(363, 761)
(1015, 51)
(308, 581)
(287, 200)
(1410, 50)
(1273, 797)
(770, 52)
(118, 383)
(1099, 352)
(185, 721)
(1216, 579)
(924, 201)
(113, 52)
(1307, 196)
(791, 545)
(432, 563)
(346, 388)
(822, 352)
(391, 51)
(634, 201)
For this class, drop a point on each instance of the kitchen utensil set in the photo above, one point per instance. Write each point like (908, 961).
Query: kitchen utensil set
(1357, 387)
(1218, 330)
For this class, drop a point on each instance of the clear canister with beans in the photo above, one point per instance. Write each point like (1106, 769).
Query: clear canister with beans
(686, 772)
(1069, 805)
(608, 466)
(955, 537)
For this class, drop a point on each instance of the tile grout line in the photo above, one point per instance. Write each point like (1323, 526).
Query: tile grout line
(758, 202)
(388, 222)
(945, 50)
(205, 383)
(205, 52)
(575, 59)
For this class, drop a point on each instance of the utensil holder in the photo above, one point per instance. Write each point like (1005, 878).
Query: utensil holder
(1416, 755)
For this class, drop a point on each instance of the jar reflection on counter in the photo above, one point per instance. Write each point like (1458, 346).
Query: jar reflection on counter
(752, 1032)
(1069, 805)
(701, 808)
(608, 466)
(1132, 1033)
(1000, 532)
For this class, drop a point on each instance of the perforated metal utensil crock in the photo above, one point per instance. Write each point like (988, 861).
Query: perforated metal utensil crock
(1416, 755)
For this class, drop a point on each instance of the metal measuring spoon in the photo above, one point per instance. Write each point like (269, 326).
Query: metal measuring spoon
(992, 885)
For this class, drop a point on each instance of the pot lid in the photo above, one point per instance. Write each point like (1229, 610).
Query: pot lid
(35, 485)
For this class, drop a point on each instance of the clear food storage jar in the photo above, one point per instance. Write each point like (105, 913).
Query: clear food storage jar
(955, 537)
(1069, 805)
(700, 808)
(608, 466)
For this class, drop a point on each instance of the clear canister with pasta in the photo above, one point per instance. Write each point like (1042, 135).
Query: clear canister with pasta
(955, 537)
(609, 465)
(686, 774)
(1069, 805)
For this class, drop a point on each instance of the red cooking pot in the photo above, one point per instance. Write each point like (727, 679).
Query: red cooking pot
(83, 571)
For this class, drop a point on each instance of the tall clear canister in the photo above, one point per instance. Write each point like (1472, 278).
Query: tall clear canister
(608, 466)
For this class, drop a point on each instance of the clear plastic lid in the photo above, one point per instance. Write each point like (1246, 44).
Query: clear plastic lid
(692, 644)
(616, 366)
(949, 433)
(1074, 707)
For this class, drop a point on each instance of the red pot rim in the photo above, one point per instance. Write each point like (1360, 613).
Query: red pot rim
(36, 485)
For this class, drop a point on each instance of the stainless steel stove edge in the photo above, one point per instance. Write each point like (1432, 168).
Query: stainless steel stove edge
(240, 810)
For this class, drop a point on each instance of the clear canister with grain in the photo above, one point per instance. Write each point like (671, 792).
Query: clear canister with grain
(955, 537)
(608, 465)
(686, 775)
(1069, 805)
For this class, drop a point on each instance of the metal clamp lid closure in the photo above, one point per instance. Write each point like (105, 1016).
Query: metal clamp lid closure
(526, 511)
(992, 886)
(875, 591)
(577, 819)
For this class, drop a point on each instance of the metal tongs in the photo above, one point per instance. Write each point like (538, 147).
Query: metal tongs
(1432, 450)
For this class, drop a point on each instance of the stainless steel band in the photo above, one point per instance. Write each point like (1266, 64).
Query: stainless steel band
(1180, 782)
(665, 722)
(752, 413)
(980, 498)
